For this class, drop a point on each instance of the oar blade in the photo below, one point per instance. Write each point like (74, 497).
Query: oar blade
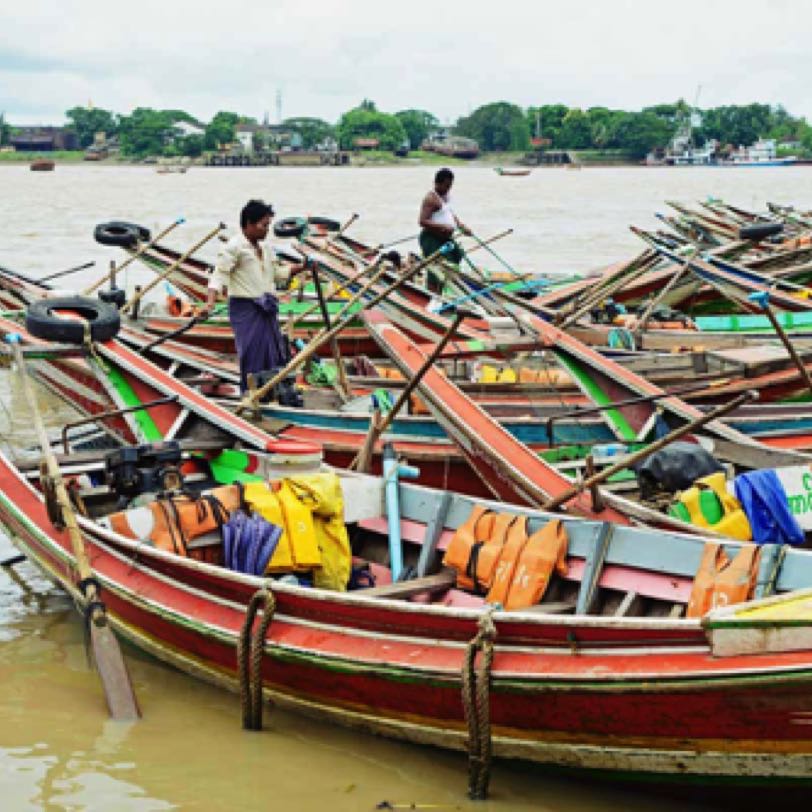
(118, 689)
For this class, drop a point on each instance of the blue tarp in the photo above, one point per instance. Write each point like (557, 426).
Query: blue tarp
(249, 542)
(765, 502)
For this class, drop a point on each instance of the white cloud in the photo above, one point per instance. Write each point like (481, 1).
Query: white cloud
(448, 57)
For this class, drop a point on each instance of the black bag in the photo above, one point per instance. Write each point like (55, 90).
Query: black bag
(675, 468)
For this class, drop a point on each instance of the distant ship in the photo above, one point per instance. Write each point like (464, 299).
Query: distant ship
(762, 153)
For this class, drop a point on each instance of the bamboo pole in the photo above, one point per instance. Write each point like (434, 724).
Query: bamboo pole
(762, 299)
(149, 286)
(665, 291)
(633, 459)
(143, 249)
(109, 661)
(377, 428)
(343, 319)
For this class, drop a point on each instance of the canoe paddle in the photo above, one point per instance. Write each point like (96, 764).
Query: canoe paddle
(107, 655)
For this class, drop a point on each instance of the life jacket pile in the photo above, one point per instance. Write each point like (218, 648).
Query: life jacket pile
(493, 556)
(309, 508)
(721, 581)
(171, 523)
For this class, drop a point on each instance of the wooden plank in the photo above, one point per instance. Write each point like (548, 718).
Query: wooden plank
(772, 557)
(630, 599)
(594, 566)
(434, 530)
(551, 608)
(405, 589)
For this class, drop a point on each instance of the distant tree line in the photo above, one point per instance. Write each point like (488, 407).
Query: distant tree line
(498, 126)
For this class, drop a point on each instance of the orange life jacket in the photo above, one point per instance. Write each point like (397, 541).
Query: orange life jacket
(176, 306)
(485, 556)
(506, 566)
(545, 552)
(169, 524)
(720, 581)
(474, 531)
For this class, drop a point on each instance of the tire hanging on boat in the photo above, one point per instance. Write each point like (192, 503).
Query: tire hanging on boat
(100, 319)
(290, 227)
(121, 235)
(326, 223)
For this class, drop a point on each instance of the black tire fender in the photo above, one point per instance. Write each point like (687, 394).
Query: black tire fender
(324, 222)
(118, 234)
(760, 231)
(290, 227)
(144, 234)
(42, 320)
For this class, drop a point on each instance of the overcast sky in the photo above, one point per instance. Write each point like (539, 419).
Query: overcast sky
(446, 56)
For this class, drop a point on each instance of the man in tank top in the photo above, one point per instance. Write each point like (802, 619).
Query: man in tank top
(438, 221)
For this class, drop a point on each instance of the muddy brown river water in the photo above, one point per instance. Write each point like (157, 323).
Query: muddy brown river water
(57, 751)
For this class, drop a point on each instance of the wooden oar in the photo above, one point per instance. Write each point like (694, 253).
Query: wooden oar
(115, 269)
(762, 299)
(107, 655)
(148, 287)
(633, 459)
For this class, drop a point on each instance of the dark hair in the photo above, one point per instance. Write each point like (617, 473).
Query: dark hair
(253, 211)
(443, 174)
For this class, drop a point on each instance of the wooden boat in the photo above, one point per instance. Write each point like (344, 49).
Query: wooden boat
(511, 173)
(42, 165)
(605, 675)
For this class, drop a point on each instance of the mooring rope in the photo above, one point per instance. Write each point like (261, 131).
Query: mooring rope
(250, 649)
(476, 688)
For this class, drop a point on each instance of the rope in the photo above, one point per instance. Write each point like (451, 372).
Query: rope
(476, 686)
(250, 649)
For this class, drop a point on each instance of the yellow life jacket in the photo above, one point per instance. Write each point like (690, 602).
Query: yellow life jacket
(709, 504)
(298, 548)
(321, 494)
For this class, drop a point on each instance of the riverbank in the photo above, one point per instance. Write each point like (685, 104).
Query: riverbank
(358, 159)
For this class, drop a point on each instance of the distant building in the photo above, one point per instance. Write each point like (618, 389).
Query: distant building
(44, 139)
(366, 143)
(259, 137)
(186, 128)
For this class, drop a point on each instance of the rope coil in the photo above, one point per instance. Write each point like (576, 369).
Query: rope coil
(250, 648)
(476, 687)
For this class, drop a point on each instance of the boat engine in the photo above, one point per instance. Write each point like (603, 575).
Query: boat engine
(148, 468)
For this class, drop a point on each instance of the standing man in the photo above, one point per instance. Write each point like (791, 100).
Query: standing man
(248, 271)
(438, 221)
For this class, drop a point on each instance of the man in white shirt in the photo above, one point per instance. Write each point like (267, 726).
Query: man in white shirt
(439, 221)
(248, 271)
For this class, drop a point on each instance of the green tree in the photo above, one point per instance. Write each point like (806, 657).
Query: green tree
(5, 130)
(366, 122)
(88, 121)
(191, 145)
(639, 133)
(576, 132)
(498, 126)
(418, 124)
(220, 130)
(145, 132)
(312, 130)
(546, 121)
